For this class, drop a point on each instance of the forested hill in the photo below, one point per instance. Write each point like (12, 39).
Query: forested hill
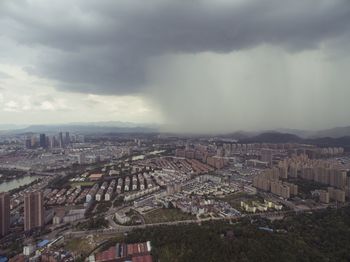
(322, 236)
(275, 137)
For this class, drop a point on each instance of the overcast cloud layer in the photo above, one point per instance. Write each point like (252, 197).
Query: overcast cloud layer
(196, 65)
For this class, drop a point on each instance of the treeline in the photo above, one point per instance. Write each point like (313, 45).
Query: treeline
(98, 222)
(322, 236)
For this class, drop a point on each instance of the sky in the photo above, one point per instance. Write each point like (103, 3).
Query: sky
(189, 65)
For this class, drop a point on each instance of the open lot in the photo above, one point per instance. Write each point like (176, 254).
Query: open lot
(166, 215)
(235, 199)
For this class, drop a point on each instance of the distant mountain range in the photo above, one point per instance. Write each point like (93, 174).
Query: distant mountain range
(276, 137)
(93, 127)
(336, 132)
(115, 124)
(4, 127)
(272, 137)
(333, 132)
(289, 135)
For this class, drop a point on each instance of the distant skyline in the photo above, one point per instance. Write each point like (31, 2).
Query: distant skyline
(193, 66)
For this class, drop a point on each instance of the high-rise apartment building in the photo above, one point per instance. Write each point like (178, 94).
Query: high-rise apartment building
(33, 210)
(266, 155)
(60, 140)
(324, 196)
(67, 139)
(4, 213)
(52, 142)
(33, 142)
(336, 194)
(42, 140)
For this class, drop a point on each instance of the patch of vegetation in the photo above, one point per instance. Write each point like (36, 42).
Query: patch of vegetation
(93, 223)
(61, 181)
(306, 186)
(103, 207)
(166, 215)
(8, 175)
(235, 199)
(118, 201)
(82, 184)
(91, 244)
(11, 248)
(135, 218)
(81, 246)
(21, 188)
(321, 236)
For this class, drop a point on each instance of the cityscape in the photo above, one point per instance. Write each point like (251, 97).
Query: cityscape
(68, 194)
(174, 131)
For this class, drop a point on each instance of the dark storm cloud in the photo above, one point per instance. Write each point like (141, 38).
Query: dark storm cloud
(105, 46)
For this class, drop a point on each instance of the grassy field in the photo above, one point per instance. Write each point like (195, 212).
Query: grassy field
(166, 215)
(235, 199)
(84, 183)
(80, 245)
(84, 246)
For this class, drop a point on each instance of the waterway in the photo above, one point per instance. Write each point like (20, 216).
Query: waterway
(9, 185)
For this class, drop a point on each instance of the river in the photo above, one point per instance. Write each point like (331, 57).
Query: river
(9, 185)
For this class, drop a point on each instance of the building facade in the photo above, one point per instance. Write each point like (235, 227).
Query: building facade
(4, 214)
(33, 211)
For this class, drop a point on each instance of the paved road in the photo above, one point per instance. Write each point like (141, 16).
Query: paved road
(111, 221)
(123, 229)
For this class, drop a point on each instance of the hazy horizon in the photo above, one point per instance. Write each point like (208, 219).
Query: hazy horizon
(194, 66)
(163, 128)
